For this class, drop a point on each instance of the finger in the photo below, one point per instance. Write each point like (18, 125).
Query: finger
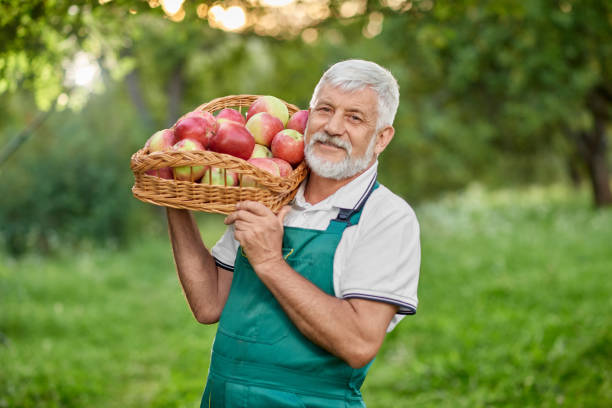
(230, 219)
(240, 215)
(255, 207)
(282, 213)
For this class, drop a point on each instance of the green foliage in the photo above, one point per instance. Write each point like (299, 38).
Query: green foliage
(513, 306)
(489, 93)
(514, 311)
(73, 182)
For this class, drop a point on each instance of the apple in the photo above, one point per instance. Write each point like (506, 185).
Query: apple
(160, 141)
(198, 125)
(232, 115)
(284, 167)
(298, 121)
(188, 173)
(270, 104)
(288, 145)
(232, 138)
(215, 176)
(261, 151)
(263, 127)
(263, 163)
(165, 173)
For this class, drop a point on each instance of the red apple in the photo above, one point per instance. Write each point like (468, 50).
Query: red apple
(261, 151)
(288, 145)
(198, 125)
(160, 141)
(263, 163)
(165, 173)
(298, 121)
(284, 167)
(264, 127)
(188, 173)
(216, 176)
(270, 104)
(232, 115)
(232, 138)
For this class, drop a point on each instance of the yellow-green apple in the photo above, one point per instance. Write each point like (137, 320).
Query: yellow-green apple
(232, 138)
(263, 163)
(298, 121)
(261, 151)
(217, 176)
(197, 125)
(263, 127)
(188, 173)
(270, 104)
(232, 115)
(158, 142)
(288, 145)
(284, 167)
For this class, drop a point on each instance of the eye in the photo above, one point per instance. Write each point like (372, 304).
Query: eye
(355, 118)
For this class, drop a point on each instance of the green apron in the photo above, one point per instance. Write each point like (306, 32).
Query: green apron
(259, 358)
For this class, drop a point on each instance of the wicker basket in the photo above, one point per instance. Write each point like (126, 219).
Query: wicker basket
(272, 191)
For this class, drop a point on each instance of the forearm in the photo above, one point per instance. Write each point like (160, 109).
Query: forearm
(195, 266)
(332, 323)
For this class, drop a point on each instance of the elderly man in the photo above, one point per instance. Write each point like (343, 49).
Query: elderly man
(304, 298)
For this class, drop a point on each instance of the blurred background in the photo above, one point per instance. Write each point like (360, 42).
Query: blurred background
(501, 148)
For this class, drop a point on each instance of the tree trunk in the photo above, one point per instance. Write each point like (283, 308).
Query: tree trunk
(592, 146)
(132, 81)
(175, 94)
(598, 171)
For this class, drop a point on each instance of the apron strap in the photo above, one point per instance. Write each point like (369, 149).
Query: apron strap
(345, 215)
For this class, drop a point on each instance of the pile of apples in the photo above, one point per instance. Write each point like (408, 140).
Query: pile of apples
(267, 137)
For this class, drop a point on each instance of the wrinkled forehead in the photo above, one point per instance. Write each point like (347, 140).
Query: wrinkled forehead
(364, 99)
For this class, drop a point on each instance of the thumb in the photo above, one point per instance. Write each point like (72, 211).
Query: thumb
(282, 213)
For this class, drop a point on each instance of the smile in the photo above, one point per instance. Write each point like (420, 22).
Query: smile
(330, 146)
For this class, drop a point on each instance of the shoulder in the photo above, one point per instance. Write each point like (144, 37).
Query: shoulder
(384, 206)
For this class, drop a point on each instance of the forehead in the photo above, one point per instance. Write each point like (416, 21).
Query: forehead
(363, 100)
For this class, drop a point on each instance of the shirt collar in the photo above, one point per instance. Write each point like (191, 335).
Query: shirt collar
(347, 196)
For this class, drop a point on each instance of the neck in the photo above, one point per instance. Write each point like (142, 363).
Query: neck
(319, 188)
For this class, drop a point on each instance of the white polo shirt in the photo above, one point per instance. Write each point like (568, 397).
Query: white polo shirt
(377, 259)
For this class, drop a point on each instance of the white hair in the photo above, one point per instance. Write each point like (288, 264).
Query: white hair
(352, 75)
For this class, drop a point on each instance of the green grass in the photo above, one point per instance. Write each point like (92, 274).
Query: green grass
(514, 311)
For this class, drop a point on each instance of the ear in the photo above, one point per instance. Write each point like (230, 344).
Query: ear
(383, 138)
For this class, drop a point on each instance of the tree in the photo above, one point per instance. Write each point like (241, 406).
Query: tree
(538, 71)
(481, 82)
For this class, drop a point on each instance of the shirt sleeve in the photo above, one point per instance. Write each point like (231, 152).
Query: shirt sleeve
(384, 261)
(225, 250)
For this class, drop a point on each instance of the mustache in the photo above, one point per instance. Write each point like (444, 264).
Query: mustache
(324, 137)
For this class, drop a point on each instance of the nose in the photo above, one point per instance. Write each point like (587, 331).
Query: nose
(335, 125)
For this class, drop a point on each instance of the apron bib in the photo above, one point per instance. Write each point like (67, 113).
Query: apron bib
(259, 358)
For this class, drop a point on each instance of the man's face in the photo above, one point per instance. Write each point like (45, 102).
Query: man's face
(341, 133)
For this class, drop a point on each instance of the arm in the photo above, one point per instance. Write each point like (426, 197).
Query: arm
(206, 286)
(351, 329)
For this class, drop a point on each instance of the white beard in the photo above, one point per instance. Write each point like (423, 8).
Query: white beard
(344, 169)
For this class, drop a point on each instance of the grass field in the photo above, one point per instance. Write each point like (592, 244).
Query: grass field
(514, 311)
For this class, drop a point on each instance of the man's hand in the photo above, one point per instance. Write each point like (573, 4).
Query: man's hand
(259, 231)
